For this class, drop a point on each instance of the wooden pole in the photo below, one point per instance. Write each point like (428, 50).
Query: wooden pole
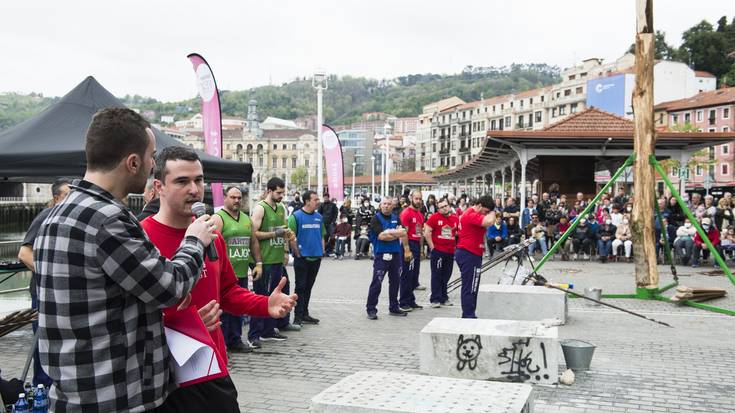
(646, 272)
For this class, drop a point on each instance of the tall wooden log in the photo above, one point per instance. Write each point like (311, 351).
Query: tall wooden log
(644, 241)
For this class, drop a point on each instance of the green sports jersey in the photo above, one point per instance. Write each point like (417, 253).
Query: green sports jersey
(238, 234)
(272, 250)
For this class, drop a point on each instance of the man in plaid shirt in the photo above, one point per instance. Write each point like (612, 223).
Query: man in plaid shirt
(103, 283)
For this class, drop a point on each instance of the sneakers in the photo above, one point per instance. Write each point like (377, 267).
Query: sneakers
(372, 316)
(310, 320)
(435, 305)
(398, 313)
(273, 337)
(255, 343)
(447, 303)
(291, 327)
(405, 308)
(415, 306)
(297, 321)
(240, 347)
(420, 288)
(586, 257)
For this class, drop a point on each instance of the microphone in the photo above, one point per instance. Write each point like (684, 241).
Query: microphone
(199, 209)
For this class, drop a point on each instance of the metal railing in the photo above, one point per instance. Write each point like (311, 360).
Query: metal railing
(9, 249)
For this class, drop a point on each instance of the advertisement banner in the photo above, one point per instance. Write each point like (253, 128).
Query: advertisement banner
(608, 94)
(211, 118)
(333, 162)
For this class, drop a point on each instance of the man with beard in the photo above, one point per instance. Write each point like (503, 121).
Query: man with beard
(413, 221)
(103, 283)
(440, 233)
(269, 225)
(180, 183)
(386, 236)
(237, 229)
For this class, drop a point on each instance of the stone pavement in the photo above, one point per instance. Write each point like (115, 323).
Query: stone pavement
(638, 366)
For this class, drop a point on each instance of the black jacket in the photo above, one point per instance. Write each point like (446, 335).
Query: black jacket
(329, 212)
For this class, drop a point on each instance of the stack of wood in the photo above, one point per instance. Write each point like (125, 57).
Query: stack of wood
(16, 320)
(697, 294)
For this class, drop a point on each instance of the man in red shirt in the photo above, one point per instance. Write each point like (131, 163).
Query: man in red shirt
(180, 183)
(440, 233)
(413, 220)
(472, 227)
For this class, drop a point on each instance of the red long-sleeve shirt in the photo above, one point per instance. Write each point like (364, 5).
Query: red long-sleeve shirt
(713, 235)
(218, 280)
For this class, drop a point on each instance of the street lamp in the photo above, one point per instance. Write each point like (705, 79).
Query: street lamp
(319, 82)
(352, 194)
(372, 186)
(386, 157)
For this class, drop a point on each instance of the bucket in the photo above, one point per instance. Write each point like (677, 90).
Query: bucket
(577, 354)
(594, 293)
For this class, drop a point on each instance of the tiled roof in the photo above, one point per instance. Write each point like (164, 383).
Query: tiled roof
(592, 120)
(704, 99)
(414, 177)
(531, 93)
(702, 73)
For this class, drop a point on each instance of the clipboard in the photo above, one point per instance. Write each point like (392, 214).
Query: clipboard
(194, 355)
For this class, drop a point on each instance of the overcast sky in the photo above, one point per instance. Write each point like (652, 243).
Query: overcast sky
(140, 47)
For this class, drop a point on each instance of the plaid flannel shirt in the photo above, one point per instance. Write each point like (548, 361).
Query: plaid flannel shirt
(103, 285)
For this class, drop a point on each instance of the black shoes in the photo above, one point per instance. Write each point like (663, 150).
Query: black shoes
(416, 307)
(310, 320)
(240, 347)
(398, 313)
(372, 316)
(273, 337)
(256, 343)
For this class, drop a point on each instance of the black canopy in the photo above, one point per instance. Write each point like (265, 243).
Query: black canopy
(51, 144)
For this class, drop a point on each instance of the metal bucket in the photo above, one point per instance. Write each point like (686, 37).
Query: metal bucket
(577, 354)
(594, 293)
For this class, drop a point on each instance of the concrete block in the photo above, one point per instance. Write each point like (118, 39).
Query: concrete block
(381, 392)
(505, 350)
(521, 302)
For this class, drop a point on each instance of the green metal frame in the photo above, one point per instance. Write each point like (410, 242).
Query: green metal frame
(649, 293)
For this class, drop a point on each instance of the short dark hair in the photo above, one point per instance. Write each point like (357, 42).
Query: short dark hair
(172, 153)
(486, 201)
(275, 183)
(58, 183)
(306, 196)
(227, 190)
(113, 134)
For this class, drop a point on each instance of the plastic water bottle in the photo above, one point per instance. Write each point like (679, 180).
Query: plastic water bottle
(40, 400)
(21, 406)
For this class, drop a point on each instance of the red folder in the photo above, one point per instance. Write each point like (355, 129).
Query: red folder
(189, 323)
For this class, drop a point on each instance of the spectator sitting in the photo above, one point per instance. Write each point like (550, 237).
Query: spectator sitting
(605, 234)
(684, 241)
(728, 241)
(527, 212)
(710, 210)
(623, 237)
(563, 204)
(616, 217)
(620, 199)
(582, 238)
(559, 230)
(723, 216)
(537, 231)
(497, 237)
(670, 234)
(676, 215)
(362, 245)
(342, 234)
(699, 245)
(514, 231)
(699, 212)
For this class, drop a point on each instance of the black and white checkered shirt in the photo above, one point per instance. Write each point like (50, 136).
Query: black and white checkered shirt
(103, 285)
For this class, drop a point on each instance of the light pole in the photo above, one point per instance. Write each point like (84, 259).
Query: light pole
(352, 194)
(386, 156)
(372, 186)
(319, 82)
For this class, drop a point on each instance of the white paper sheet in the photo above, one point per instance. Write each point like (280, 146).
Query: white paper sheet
(193, 359)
